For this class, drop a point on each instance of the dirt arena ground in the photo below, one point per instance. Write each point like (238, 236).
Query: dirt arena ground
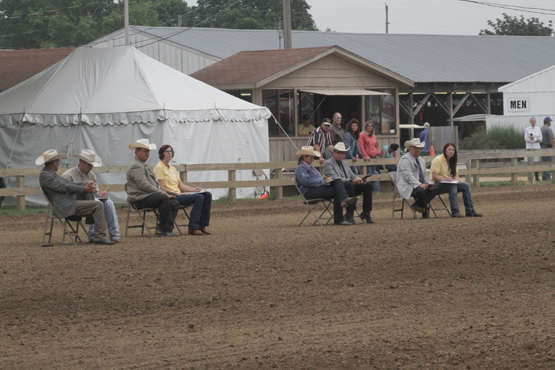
(260, 293)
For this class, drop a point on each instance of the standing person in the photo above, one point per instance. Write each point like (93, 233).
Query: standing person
(337, 168)
(83, 173)
(62, 194)
(306, 127)
(321, 140)
(425, 137)
(444, 168)
(412, 179)
(314, 186)
(351, 140)
(370, 148)
(145, 191)
(336, 131)
(168, 177)
(533, 138)
(547, 142)
(390, 151)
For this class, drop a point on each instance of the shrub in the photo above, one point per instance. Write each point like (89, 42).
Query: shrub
(508, 137)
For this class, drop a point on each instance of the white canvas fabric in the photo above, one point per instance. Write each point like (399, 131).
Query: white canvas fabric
(103, 99)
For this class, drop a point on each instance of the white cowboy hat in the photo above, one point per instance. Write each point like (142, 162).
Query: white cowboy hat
(308, 150)
(340, 146)
(49, 156)
(414, 142)
(90, 157)
(142, 143)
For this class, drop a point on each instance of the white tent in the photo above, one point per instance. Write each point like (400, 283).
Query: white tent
(105, 98)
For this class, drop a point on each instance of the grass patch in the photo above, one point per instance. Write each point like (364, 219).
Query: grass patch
(11, 211)
(508, 137)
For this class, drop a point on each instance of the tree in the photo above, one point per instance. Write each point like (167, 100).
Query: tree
(257, 14)
(518, 27)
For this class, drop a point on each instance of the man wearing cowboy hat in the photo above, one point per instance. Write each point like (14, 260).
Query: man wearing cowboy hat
(412, 179)
(62, 194)
(83, 173)
(337, 168)
(145, 191)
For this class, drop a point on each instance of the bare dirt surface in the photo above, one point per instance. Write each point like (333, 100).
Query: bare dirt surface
(260, 293)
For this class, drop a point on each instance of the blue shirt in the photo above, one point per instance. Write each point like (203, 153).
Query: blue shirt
(308, 176)
(425, 138)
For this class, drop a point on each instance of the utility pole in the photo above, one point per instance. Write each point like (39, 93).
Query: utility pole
(287, 44)
(126, 21)
(179, 21)
(386, 19)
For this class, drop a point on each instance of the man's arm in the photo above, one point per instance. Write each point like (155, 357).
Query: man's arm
(404, 169)
(137, 176)
(331, 170)
(58, 184)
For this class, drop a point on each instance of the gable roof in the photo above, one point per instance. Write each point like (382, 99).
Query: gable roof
(18, 65)
(421, 58)
(260, 67)
(539, 81)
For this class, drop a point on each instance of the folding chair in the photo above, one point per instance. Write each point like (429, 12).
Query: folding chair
(259, 175)
(444, 208)
(393, 178)
(326, 215)
(69, 229)
(177, 226)
(131, 208)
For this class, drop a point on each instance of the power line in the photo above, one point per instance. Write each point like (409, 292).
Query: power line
(513, 7)
(19, 16)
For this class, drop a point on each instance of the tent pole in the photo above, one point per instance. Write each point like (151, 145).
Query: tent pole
(126, 21)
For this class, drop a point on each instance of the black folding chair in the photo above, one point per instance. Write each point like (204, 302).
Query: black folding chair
(131, 208)
(312, 204)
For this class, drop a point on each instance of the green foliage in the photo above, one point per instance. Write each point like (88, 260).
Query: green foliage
(495, 138)
(518, 27)
(258, 14)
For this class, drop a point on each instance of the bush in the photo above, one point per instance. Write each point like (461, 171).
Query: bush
(495, 138)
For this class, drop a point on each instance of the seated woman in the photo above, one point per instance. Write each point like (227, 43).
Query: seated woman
(444, 168)
(199, 219)
(313, 185)
(390, 151)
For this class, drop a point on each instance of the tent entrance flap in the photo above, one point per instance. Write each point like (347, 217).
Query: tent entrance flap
(341, 92)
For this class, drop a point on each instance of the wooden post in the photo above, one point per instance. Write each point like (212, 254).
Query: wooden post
(20, 199)
(514, 176)
(232, 191)
(467, 177)
(183, 175)
(552, 172)
(530, 174)
(477, 177)
(278, 189)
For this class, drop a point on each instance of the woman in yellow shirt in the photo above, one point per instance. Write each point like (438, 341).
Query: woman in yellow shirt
(167, 175)
(444, 170)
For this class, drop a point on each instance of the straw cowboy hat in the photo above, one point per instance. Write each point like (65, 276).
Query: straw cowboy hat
(308, 150)
(143, 144)
(414, 142)
(340, 146)
(90, 157)
(49, 156)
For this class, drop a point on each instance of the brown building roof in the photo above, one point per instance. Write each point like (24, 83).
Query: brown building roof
(18, 65)
(247, 67)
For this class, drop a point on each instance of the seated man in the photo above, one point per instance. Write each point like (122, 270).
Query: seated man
(145, 191)
(337, 168)
(61, 194)
(412, 179)
(82, 174)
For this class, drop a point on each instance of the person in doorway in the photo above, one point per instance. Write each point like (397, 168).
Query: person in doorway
(168, 177)
(412, 179)
(321, 139)
(82, 174)
(445, 173)
(352, 133)
(425, 137)
(336, 131)
(306, 127)
(370, 148)
(546, 143)
(533, 138)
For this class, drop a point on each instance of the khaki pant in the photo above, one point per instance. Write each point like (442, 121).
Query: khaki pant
(96, 209)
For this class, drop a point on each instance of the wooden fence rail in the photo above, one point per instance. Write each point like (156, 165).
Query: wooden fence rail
(474, 168)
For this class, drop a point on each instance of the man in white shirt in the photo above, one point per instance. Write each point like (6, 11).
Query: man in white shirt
(533, 138)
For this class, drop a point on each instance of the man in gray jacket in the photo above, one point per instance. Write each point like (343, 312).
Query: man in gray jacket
(337, 168)
(62, 194)
(145, 191)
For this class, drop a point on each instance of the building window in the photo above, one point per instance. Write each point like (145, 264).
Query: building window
(245, 95)
(280, 103)
(380, 109)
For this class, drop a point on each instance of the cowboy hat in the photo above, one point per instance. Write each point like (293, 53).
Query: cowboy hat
(340, 146)
(49, 156)
(414, 142)
(90, 157)
(308, 150)
(143, 144)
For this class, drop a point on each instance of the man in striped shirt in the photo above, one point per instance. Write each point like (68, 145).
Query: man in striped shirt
(321, 139)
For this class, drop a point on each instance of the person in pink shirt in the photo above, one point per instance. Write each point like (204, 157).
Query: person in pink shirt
(368, 144)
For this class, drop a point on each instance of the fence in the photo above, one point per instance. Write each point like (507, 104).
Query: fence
(477, 164)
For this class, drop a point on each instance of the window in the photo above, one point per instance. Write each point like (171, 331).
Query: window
(245, 95)
(280, 103)
(380, 109)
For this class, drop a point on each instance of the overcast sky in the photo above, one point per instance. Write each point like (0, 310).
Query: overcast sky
(452, 17)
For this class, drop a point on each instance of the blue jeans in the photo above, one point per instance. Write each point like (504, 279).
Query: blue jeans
(111, 221)
(202, 203)
(453, 189)
(371, 170)
(546, 175)
(335, 190)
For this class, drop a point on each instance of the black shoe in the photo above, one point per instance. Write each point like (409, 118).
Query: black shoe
(457, 215)
(349, 217)
(164, 233)
(349, 201)
(426, 215)
(367, 218)
(416, 208)
(475, 214)
(104, 242)
(342, 223)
